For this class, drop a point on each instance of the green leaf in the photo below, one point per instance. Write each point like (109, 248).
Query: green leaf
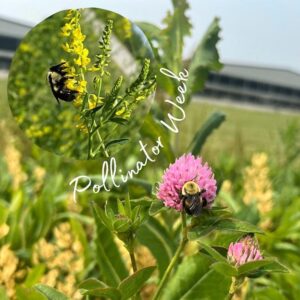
(116, 142)
(108, 256)
(252, 266)
(50, 293)
(213, 253)
(193, 280)
(107, 293)
(199, 139)
(139, 187)
(205, 222)
(219, 221)
(34, 275)
(225, 269)
(177, 28)
(121, 209)
(275, 266)
(237, 225)
(75, 216)
(91, 284)
(132, 284)
(267, 293)
(156, 207)
(153, 34)
(3, 213)
(101, 216)
(24, 293)
(3, 295)
(122, 225)
(127, 207)
(205, 59)
(119, 121)
(156, 238)
(153, 129)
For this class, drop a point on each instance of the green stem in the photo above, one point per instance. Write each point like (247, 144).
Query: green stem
(133, 261)
(101, 142)
(175, 258)
(89, 146)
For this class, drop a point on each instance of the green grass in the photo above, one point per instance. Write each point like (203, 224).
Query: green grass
(4, 109)
(245, 130)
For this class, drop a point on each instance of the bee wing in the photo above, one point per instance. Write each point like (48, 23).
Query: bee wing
(197, 210)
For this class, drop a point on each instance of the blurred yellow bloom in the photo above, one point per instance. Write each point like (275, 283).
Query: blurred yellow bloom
(23, 92)
(66, 29)
(82, 127)
(257, 185)
(4, 230)
(8, 270)
(25, 47)
(63, 255)
(227, 186)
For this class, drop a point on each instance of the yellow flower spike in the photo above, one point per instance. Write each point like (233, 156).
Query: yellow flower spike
(66, 29)
(77, 35)
(77, 48)
(66, 47)
(4, 229)
(121, 111)
(69, 14)
(78, 101)
(71, 84)
(93, 69)
(92, 101)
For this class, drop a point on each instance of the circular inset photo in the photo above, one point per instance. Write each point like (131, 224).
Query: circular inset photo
(81, 83)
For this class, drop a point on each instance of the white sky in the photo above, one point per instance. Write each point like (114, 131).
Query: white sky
(259, 32)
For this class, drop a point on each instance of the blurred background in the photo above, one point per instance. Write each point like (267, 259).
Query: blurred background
(253, 102)
(259, 85)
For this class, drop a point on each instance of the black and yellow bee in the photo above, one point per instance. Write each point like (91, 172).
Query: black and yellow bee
(57, 77)
(192, 200)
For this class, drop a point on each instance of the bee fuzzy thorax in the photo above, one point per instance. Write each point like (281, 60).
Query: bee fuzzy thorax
(190, 188)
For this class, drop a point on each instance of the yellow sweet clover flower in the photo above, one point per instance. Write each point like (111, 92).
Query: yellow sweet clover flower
(82, 127)
(66, 29)
(92, 101)
(257, 185)
(4, 230)
(124, 112)
(62, 255)
(8, 270)
(14, 164)
(75, 46)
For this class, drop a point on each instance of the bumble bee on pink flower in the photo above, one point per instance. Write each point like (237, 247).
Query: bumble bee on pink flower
(244, 251)
(188, 184)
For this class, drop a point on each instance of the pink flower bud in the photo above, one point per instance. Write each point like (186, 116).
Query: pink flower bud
(244, 251)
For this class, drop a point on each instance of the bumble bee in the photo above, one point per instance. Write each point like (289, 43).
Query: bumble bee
(57, 77)
(192, 200)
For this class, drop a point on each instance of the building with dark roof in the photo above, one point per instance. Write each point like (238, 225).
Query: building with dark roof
(255, 85)
(243, 84)
(11, 33)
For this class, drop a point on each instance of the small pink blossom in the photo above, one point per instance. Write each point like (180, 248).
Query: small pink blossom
(244, 251)
(186, 168)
